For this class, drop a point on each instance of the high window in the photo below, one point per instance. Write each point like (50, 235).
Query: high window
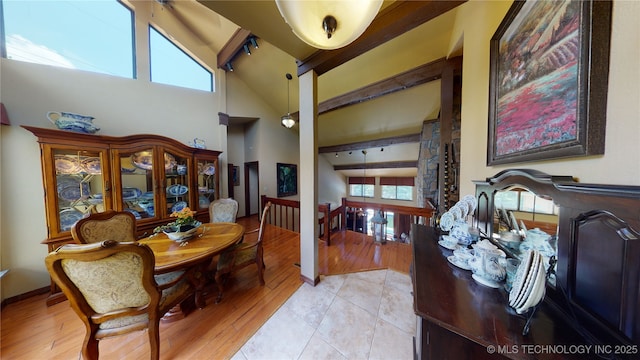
(397, 188)
(166, 57)
(85, 35)
(361, 186)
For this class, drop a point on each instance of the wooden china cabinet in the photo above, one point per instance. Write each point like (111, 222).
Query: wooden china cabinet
(85, 173)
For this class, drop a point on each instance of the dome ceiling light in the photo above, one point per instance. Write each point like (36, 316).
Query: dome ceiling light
(328, 24)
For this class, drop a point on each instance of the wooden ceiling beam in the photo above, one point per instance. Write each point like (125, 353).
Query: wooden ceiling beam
(380, 165)
(231, 48)
(411, 138)
(394, 20)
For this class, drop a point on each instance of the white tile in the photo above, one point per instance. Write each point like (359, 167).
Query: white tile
(318, 349)
(332, 283)
(348, 328)
(374, 276)
(399, 281)
(283, 336)
(239, 356)
(389, 342)
(310, 303)
(396, 307)
(362, 292)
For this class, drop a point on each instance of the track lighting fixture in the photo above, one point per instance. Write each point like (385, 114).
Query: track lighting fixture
(350, 152)
(336, 154)
(253, 42)
(246, 49)
(381, 149)
(229, 67)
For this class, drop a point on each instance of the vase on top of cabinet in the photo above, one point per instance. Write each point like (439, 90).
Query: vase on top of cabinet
(150, 176)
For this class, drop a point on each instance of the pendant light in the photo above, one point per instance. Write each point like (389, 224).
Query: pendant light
(287, 120)
(328, 24)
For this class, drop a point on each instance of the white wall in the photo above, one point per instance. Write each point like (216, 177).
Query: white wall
(477, 21)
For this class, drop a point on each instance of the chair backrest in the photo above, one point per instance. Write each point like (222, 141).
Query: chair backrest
(109, 225)
(110, 285)
(263, 221)
(223, 210)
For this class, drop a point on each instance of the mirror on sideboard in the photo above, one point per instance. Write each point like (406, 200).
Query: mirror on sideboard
(523, 220)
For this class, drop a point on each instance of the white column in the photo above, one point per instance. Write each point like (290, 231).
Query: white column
(308, 83)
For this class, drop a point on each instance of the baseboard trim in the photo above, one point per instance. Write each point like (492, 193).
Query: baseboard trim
(26, 295)
(314, 282)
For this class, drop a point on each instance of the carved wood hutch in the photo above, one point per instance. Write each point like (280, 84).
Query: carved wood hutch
(85, 173)
(593, 300)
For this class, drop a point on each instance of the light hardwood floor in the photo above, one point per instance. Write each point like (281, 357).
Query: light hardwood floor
(31, 330)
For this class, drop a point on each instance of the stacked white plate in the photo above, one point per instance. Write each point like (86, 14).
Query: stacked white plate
(529, 284)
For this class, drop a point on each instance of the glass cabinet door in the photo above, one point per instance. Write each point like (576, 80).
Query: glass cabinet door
(177, 184)
(137, 182)
(81, 180)
(207, 182)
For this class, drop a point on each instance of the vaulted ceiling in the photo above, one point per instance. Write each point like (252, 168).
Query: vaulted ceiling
(368, 95)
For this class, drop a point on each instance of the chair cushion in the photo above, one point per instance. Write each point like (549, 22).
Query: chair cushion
(226, 261)
(224, 212)
(169, 295)
(122, 288)
(118, 228)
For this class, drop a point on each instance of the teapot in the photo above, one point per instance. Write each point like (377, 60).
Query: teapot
(487, 263)
(72, 122)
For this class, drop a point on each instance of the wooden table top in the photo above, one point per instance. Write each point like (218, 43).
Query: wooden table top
(171, 256)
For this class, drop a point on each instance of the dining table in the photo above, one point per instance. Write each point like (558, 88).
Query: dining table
(194, 254)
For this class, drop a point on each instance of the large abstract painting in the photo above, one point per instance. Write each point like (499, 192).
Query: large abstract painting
(549, 75)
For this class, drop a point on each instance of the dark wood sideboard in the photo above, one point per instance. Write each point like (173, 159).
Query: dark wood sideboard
(592, 311)
(461, 319)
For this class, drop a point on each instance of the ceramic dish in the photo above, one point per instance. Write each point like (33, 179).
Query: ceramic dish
(537, 292)
(144, 160)
(68, 217)
(67, 164)
(208, 169)
(446, 221)
(135, 213)
(472, 202)
(130, 193)
(73, 192)
(178, 206)
(520, 276)
(456, 212)
(92, 165)
(458, 263)
(529, 281)
(447, 246)
(181, 236)
(177, 190)
(486, 282)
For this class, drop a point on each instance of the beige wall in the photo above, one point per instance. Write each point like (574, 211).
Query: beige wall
(477, 22)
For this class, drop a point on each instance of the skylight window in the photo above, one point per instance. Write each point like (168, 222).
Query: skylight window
(166, 57)
(93, 36)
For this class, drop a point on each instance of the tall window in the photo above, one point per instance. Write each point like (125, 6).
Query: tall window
(361, 186)
(85, 35)
(166, 57)
(397, 188)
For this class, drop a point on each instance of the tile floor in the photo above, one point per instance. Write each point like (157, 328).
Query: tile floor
(364, 315)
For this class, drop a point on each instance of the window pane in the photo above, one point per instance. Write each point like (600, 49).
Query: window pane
(355, 190)
(86, 35)
(405, 192)
(368, 190)
(388, 191)
(166, 57)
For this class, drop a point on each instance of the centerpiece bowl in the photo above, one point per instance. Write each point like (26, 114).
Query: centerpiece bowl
(183, 232)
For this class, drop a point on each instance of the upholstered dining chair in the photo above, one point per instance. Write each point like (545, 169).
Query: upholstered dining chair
(241, 255)
(223, 210)
(112, 225)
(112, 288)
